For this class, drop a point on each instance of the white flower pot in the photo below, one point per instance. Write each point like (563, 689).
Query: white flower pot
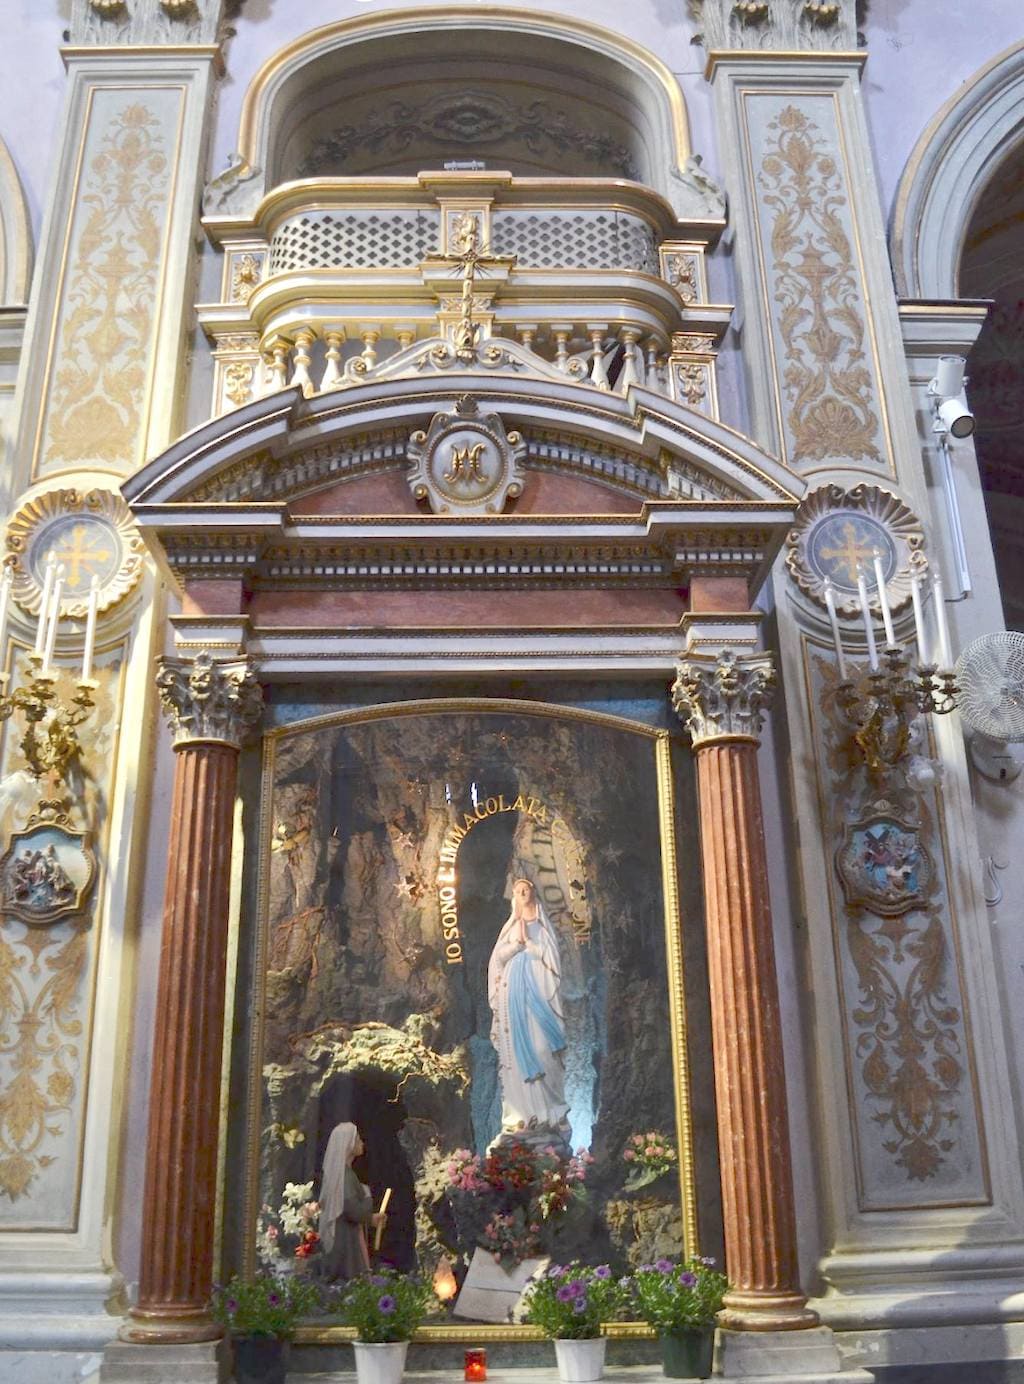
(380, 1363)
(580, 1362)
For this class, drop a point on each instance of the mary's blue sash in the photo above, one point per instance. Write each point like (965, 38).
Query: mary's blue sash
(524, 1000)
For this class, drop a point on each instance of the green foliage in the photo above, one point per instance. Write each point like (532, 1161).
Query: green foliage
(678, 1297)
(385, 1306)
(266, 1305)
(570, 1302)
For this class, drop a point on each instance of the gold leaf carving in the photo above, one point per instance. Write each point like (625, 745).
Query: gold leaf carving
(828, 387)
(104, 343)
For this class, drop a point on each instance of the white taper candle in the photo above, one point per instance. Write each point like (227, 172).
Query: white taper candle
(919, 627)
(865, 610)
(830, 603)
(883, 599)
(51, 633)
(44, 603)
(942, 625)
(5, 599)
(90, 628)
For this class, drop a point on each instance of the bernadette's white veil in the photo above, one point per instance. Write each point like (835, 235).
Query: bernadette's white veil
(332, 1184)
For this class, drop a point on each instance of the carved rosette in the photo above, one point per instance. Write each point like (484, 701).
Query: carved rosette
(723, 696)
(209, 701)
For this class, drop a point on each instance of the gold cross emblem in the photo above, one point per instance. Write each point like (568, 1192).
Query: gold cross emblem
(850, 553)
(81, 555)
(465, 464)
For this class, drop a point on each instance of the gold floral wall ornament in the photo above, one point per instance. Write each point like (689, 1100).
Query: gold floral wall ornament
(246, 273)
(837, 529)
(91, 532)
(107, 316)
(829, 388)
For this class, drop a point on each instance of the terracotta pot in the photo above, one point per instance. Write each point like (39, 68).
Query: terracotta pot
(688, 1354)
(260, 1359)
(380, 1363)
(580, 1362)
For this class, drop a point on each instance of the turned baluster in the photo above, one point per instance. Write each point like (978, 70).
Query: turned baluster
(598, 373)
(304, 339)
(332, 376)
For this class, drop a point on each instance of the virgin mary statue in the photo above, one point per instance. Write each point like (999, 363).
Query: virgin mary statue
(523, 988)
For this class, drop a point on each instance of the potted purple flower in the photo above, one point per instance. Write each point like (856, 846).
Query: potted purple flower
(681, 1302)
(260, 1315)
(571, 1304)
(385, 1308)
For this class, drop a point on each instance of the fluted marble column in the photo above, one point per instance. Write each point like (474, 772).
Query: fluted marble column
(210, 706)
(720, 697)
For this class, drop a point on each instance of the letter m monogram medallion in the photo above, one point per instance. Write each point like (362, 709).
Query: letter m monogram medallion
(466, 463)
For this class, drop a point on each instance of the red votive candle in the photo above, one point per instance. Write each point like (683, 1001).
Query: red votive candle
(476, 1364)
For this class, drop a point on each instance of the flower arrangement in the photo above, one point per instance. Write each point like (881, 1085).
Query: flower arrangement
(570, 1302)
(675, 1297)
(290, 1233)
(267, 1305)
(648, 1155)
(511, 1202)
(385, 1306)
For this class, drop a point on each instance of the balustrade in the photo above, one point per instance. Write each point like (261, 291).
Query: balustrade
(595, 283)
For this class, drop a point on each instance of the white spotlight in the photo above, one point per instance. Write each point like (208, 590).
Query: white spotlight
(949, 377)
(955, 417)
(952, 415)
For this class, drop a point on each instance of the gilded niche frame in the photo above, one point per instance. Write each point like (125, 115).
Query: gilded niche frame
(661, 741)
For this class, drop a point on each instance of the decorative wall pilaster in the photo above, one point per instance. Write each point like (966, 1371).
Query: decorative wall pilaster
(211, 705)
(100, 389)
(912, 1072)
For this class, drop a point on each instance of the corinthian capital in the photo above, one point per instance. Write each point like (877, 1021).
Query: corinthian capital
(206, 700)
(718, 695)
(787, 25)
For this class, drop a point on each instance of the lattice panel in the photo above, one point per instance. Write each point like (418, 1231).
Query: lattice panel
(400, 239)
(354, 240)
(575, 240)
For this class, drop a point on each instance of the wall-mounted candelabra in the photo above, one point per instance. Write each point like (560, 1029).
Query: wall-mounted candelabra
(50, 742)
(882, 707)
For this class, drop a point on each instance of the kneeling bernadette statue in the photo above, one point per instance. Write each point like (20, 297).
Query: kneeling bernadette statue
(346, 1208)
(528, 1031)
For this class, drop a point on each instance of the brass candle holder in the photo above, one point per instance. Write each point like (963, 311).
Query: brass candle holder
(881, 716)
(50, 742)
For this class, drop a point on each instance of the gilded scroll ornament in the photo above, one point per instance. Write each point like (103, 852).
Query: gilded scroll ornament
(723, 695)
(246, 273)
(829, 389)
(207, 700)
(837, 529)
(91, 532)
(104, 343)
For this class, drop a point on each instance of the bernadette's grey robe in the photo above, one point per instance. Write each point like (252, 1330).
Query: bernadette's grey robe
(348, 1256)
